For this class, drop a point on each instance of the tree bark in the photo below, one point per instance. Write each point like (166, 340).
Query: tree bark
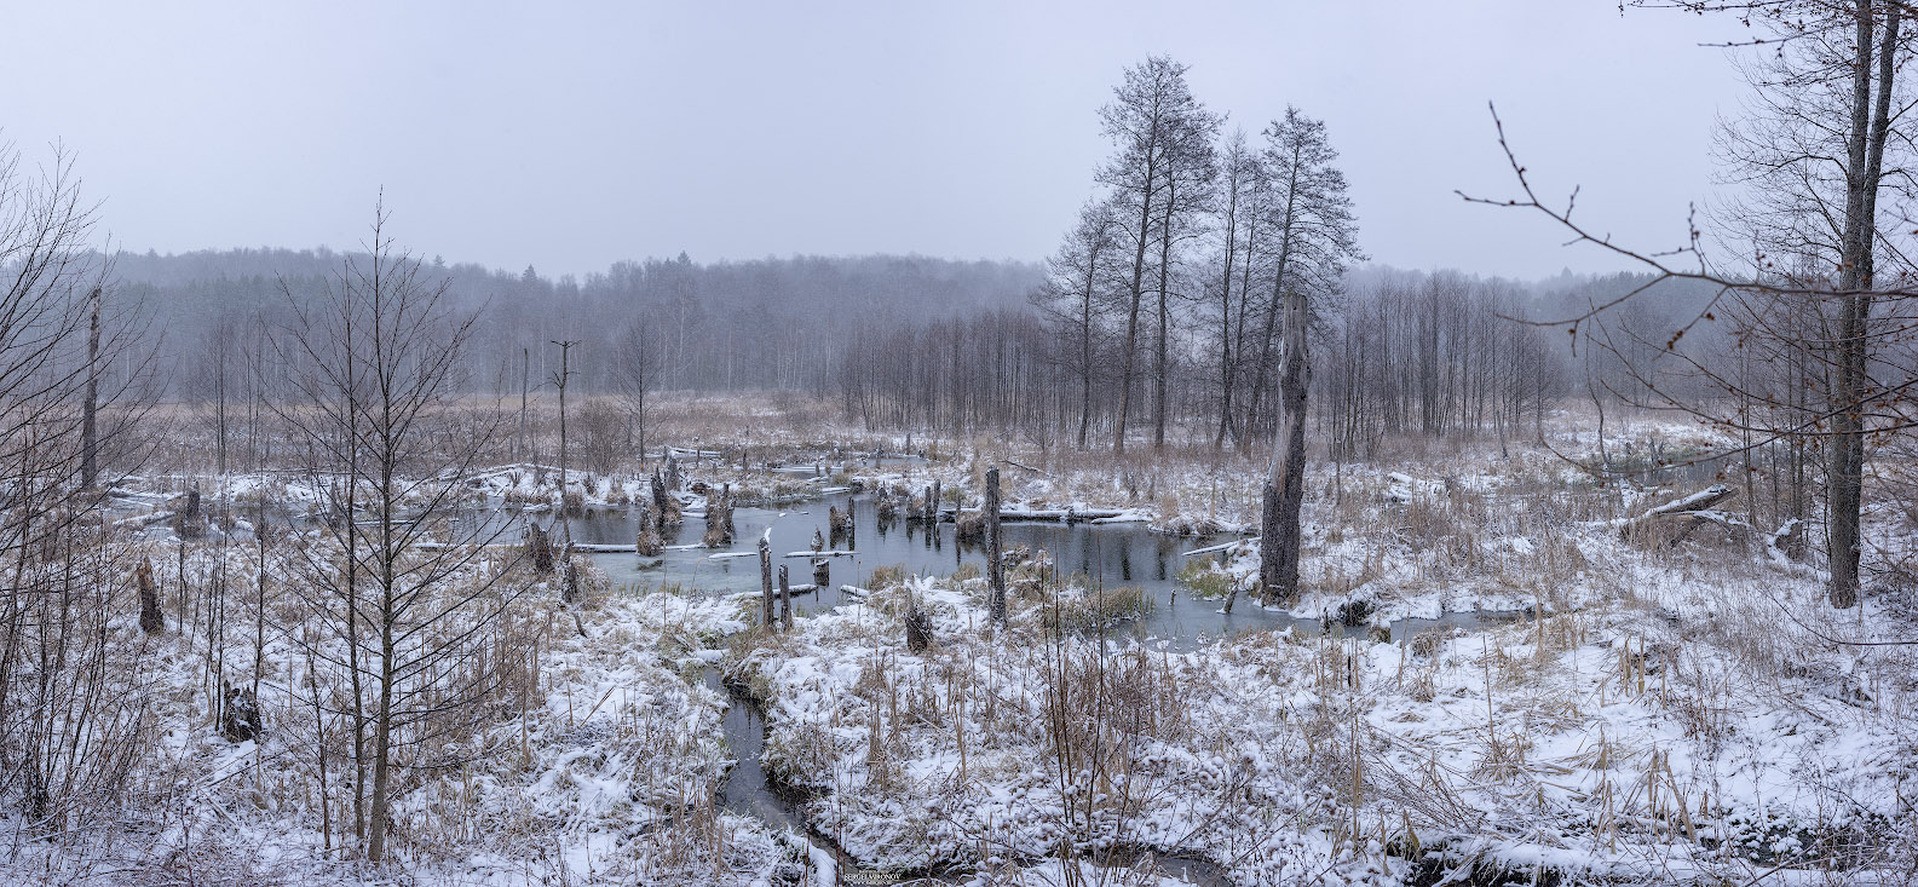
(995, 570)
(765, 580)
(1865, 146)
(1284, 492)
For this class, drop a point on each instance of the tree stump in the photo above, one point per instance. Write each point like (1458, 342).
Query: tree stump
(152, 621)
(539, 549)
(918, 628)
(766, 578)
(240, 715)
(785, 601)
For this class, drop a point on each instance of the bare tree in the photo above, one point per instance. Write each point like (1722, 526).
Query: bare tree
(1162, 137)
(1830, 97)
(561, 377)
(637, 363)
(1072, 300)
(1827, 232)
(72, 707)
(1243, 189)
(414, 623)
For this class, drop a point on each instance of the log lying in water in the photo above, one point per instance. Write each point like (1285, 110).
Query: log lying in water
(1039, 515)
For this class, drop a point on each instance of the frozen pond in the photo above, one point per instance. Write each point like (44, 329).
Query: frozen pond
(1108, 555)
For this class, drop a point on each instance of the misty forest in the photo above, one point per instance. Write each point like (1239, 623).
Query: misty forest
(1205, 550)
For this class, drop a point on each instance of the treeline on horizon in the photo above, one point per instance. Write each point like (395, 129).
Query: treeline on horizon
(911, 342)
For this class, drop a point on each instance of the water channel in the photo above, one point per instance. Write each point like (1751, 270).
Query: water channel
(1107, 554)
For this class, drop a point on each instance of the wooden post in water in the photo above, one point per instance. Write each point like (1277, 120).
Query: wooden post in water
(994, 569)
(766, 578)
(785, 601)
(852, 526)
(822, 571)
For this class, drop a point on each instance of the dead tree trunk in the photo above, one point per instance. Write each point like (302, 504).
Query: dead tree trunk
(152, 621)
(1284, 493)
(1671, 521)
(89, 422)
(994, 569)
(766, 578)
(785, 601)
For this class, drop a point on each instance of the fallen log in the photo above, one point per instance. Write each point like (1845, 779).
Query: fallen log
(1037, 515)
(1672, 521)
(1219, 547)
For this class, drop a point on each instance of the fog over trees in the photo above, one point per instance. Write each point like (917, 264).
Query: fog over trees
(938, 345)
(1207, 549)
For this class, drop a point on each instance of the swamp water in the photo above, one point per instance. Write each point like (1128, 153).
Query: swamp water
(1108, 555)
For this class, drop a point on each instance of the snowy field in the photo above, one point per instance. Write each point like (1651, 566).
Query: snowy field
(1639, 710)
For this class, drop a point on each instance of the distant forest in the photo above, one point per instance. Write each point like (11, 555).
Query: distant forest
(775, 323)
(910, 342)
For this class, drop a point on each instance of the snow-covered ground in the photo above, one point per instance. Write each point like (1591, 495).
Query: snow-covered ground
(1644, 713)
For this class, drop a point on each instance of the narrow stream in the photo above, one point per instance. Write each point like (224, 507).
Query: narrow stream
(1107, 555)
(1114, 554)
(748, 791)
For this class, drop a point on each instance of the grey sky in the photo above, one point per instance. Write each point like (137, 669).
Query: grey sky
(572, 135)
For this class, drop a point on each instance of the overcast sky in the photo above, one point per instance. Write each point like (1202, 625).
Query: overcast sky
(572, 135)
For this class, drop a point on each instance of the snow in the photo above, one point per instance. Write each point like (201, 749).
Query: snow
(1640, 715)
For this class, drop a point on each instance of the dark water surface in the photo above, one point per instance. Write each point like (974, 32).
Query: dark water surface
(1107, 555)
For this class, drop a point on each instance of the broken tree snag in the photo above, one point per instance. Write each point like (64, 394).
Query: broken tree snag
(648, 543)
(152, 621)
(822, 571)
(994, 569)
(785, 601)
(569, 576)
(719, 519)
(539, 549)
(1788, 542)
(838, 523)
(766, 578)
(665, 507)
(239, 714)
(187, 522)
(928, 510)
(918, 626)
(1673, 521)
